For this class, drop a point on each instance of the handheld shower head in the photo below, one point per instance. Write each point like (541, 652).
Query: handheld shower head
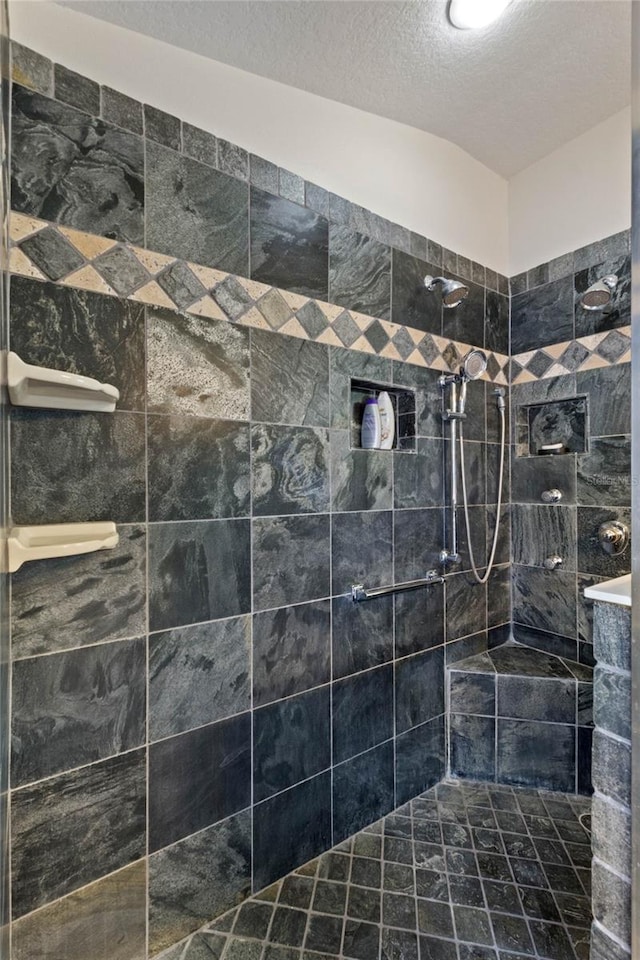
(453, 291)
(473, 365)
(599, 294)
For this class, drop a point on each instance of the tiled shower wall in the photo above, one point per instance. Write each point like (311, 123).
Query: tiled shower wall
(205, 702)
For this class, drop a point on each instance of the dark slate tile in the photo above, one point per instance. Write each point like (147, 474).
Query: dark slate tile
(359, 272)
(289, 245)
(472, 746)
(196, 213)
(612, 701)
(417, 542)
(74, 828)
(76, 90)
(199, 144)
(419, 689)
(373, 565)
(86, 173)
(252, 920)
(612, 630)
(591, 557)
(543, 640)
(611, 768)
(618, 311)
(289, 380)
(291, 828)
(198, 778)
(401, 945)
(360, 479)
(545, 599)
(198, 675)
(290, 470)
(612, 835)
(264, 174)
(551, 940)
(610, 248)
(466, 606)
(472, 693)
(362, 634)
(162, 128)
(609, 392)
(465, 322)
(419, 619)
(291, 558)
(73, 708)
(362, 712)
(361, 940)
(511, 933)
(197, 469)
(324, 934)
(604, 474)
(419, 478)
(80, 600)
(562, 421)
(291, 741)
(200, 877)
(52, 253)
(362, 790)
(198, 571)
(420, 759)
(52, 484)
(197, 366)
(604, 948)
(612, 902)
(531, 476)
(536, 754)
(31, 69)
(412, 304)
(121, 110)
(543, 315)
(537, 698)
(316, 198)
(291, 650)
(233, 160)
(121, 269)
(540, 531)
(428, 396)
(105, 921)
(496, 323)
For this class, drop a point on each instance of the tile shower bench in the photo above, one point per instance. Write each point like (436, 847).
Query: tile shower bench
(517, 715)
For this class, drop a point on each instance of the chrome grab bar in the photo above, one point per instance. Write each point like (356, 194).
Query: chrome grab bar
(359, 592)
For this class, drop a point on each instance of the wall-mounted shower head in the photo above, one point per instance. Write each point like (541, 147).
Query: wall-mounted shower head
(473, 365)
(453, 291)
(599, 294)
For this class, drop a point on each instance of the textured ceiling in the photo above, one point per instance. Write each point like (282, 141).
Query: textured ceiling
(544, 73)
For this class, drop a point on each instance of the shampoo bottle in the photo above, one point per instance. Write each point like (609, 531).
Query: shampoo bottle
(387, 421)
(370, 432)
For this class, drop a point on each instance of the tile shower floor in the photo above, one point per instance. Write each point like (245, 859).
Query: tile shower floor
(467, 871)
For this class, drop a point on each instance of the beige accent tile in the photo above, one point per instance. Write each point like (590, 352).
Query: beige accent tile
(154, 295)
(88, 244)
(523, 358)
(593, 340)
(331, 337)
(390, 352)
(153, 262)
(361, 320)
(625, 358)
(593, 363)
(390, 328)
(207, 276)
(88, 278)
(416, 335)
(295, 329)
(207, 307)
(501, 378)
(556, 370)
(525, 376)
(440, 363)
(252, 318)
(253, 288)
(294, 300)
(362, 345)
(556, 350)
(441, 342)
(330, 310)
(21, 226)
(19, 263)
(417, 359)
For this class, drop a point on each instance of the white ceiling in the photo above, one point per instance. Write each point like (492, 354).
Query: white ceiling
(547, 71)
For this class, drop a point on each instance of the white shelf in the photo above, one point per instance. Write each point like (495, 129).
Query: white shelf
(58, 540)
(612, 591)
(31, 386)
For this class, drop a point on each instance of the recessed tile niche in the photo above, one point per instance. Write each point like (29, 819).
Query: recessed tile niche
(543, 425)
(404, 408)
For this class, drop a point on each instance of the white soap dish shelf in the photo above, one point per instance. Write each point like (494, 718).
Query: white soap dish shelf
(32, 386)
(50, 541)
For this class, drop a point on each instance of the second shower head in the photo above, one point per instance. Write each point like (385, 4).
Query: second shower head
(600, 293)
(453, 291)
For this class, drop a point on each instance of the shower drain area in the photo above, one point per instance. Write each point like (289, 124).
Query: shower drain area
(467, 871)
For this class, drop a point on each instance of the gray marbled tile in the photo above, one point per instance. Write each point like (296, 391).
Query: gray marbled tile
(466, 606)
(612, 702)
(162, 127)
(105, 921)
(80, 600)
(291, 186)
(198, 675)
(122, 110)
(359, 272)
(428, 396)
(362, 711)
(198, 469)
(499, 596)
(289, 380)
(537, 698)
(419, 688)
(545, 599)
(290, 560)
(417, 536)
(412, 304)
(179, 282)
(530, 476)
(75, 828)
(496, 323)
(472, 747)
(541, 755)
(373, 563)
(612, 768)
(346, 365)
(291, 650)
(263, 174)
(316, 198)
(31, 69)
(473, 693)
(198, 879)
(197, 366)
(199, 145)
(543, 315)
(618, 311)
(540, 531)
(610, 248)
(74, 169)
(122, 270)
(612, 902)
(198, 571)
(466, 321)
(609, 390)
(233, 160)
(538, 275)
(81, 332)
(76, 707)
(420, 759)
(289, 245)
(603, 948)
(290, 470)
(612, 635)
(362, 634)
(418, 479)
(198, 778)
(195, 212)
(50, 251)
(591, 557)
(52, 483)
(76, 90)
(547, 642)
(604, 474)
(360, 479)
(362, 793)
(611, 833)
(291, 741)
(419, 619)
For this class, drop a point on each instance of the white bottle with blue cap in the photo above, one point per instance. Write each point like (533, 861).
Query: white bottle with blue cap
(370, 432)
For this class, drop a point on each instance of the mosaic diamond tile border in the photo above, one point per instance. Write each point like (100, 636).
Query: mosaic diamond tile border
(46, 251)
(597, 350)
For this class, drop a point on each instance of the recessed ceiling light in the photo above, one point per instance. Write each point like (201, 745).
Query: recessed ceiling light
(473, 14)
